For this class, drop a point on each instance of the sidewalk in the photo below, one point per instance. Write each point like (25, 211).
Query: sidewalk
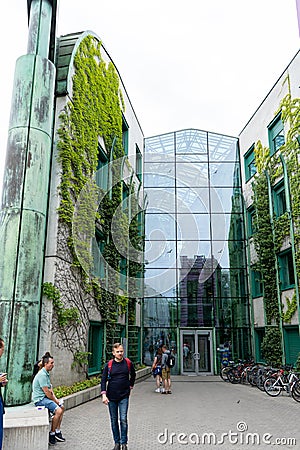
(197, 405)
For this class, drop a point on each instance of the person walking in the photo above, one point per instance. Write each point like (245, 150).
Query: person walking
(43, 395)
(3, 381)
(166, 370)
(156, 369)
(117, 381)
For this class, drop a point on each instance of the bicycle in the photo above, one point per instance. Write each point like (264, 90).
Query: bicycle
(295, 391)
(280, 382)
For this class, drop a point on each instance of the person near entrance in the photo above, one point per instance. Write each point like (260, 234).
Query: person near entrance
(185, 352)
(43, 395)
(166, 371)
(156, 369)
(118, 379)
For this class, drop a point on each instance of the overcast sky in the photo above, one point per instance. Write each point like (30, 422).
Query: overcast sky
(203, 64)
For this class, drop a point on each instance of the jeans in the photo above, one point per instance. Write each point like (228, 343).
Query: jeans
(120, 407)
(1, 423)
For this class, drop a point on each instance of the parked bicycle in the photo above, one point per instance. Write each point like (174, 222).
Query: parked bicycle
(280, 381)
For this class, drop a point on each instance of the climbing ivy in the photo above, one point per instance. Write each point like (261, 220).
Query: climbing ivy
(65, 316)
(268, 239)
(94, 113)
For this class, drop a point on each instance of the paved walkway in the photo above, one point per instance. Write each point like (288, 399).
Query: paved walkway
(197, 406)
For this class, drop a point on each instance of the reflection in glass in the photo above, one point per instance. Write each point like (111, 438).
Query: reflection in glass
(160, 199)
(160, 148)
(155, 338)
(191, 174)
(160, 254)
(223, 198)
(192, 200)
(191, 141)
(159, 174)
(221, 174)
(193, 227)
(160, 226)
(222, 148)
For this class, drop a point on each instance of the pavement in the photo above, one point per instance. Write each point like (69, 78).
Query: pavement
(202, 412)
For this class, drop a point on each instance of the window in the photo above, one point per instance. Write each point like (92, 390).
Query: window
(256, 283)
(286, 270)
(97, 250)
(138, 163)
(279, 199)
(102, 169)
(251, 219)
(249, 160)
(95, 347)
(276, 134)
(125, 128)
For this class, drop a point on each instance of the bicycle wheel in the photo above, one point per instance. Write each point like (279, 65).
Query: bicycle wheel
(233, 376)
(296, 391)
(223, 373)
(270, 389)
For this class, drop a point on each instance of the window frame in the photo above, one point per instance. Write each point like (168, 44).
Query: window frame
(286, 271)
(280, 206)
(275, 130)
(249, 161)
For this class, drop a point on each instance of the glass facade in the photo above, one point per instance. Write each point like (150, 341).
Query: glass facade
(195, 265)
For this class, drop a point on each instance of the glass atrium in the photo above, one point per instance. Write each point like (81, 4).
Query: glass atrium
(195, 263)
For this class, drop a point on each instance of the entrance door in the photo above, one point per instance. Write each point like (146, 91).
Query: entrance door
(196, 352)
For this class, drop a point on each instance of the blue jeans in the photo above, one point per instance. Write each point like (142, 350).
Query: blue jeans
(120, 407)
(1, 423)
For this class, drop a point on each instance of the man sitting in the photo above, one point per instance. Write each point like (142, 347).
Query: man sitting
(43, 395)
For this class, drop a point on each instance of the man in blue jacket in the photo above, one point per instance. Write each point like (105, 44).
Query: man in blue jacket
(117, 381)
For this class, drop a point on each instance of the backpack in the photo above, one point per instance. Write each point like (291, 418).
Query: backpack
(109, 366)
(171, 360)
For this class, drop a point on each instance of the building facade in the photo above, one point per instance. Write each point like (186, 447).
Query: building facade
(270, 155)
(195, 261)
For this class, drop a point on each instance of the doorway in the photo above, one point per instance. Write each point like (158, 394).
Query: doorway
(196, 352)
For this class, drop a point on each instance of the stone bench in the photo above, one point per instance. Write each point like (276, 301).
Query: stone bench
(25, 427)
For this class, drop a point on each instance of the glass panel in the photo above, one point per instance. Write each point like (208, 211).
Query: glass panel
(193, 227)
(191, 174)
(160, 200)
(222, 174)
(192, 200)
(159, 281)
(229, 253)
(160, 148)
(160, 254)
(225, 226)
(222, 148)
(204, 351)
(159, 227)
(189, 251)
(160, 312)
(188, 352)
(191, 141)
(159, 174)
(226, 199)
(155, 338)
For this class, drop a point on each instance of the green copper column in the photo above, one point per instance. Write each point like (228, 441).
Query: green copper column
(24, 203)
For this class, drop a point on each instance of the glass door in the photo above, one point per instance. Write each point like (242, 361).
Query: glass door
(196, 352)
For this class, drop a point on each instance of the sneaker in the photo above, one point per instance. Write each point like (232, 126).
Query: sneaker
(124, 447)
(52, 440)
(59, 437)
(163, 392)
(169, 392)
(157, 390)
(117, 447)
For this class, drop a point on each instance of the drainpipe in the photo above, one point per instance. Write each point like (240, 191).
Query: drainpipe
(276, 265)
(292, 234)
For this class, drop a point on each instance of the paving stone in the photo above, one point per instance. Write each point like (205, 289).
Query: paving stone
(198, 405)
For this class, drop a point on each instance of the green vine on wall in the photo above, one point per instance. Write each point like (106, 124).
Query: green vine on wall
(291, 309)
(94, 112)
(65, 316)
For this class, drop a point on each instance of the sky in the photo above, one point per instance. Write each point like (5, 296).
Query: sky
(203, 64)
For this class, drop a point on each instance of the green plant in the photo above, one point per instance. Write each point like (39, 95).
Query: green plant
(81, 358)
(63, 391)
(291, 309)
(65, 316)
(271, 346)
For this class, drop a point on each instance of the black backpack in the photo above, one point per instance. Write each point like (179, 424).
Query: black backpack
(171, 360)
